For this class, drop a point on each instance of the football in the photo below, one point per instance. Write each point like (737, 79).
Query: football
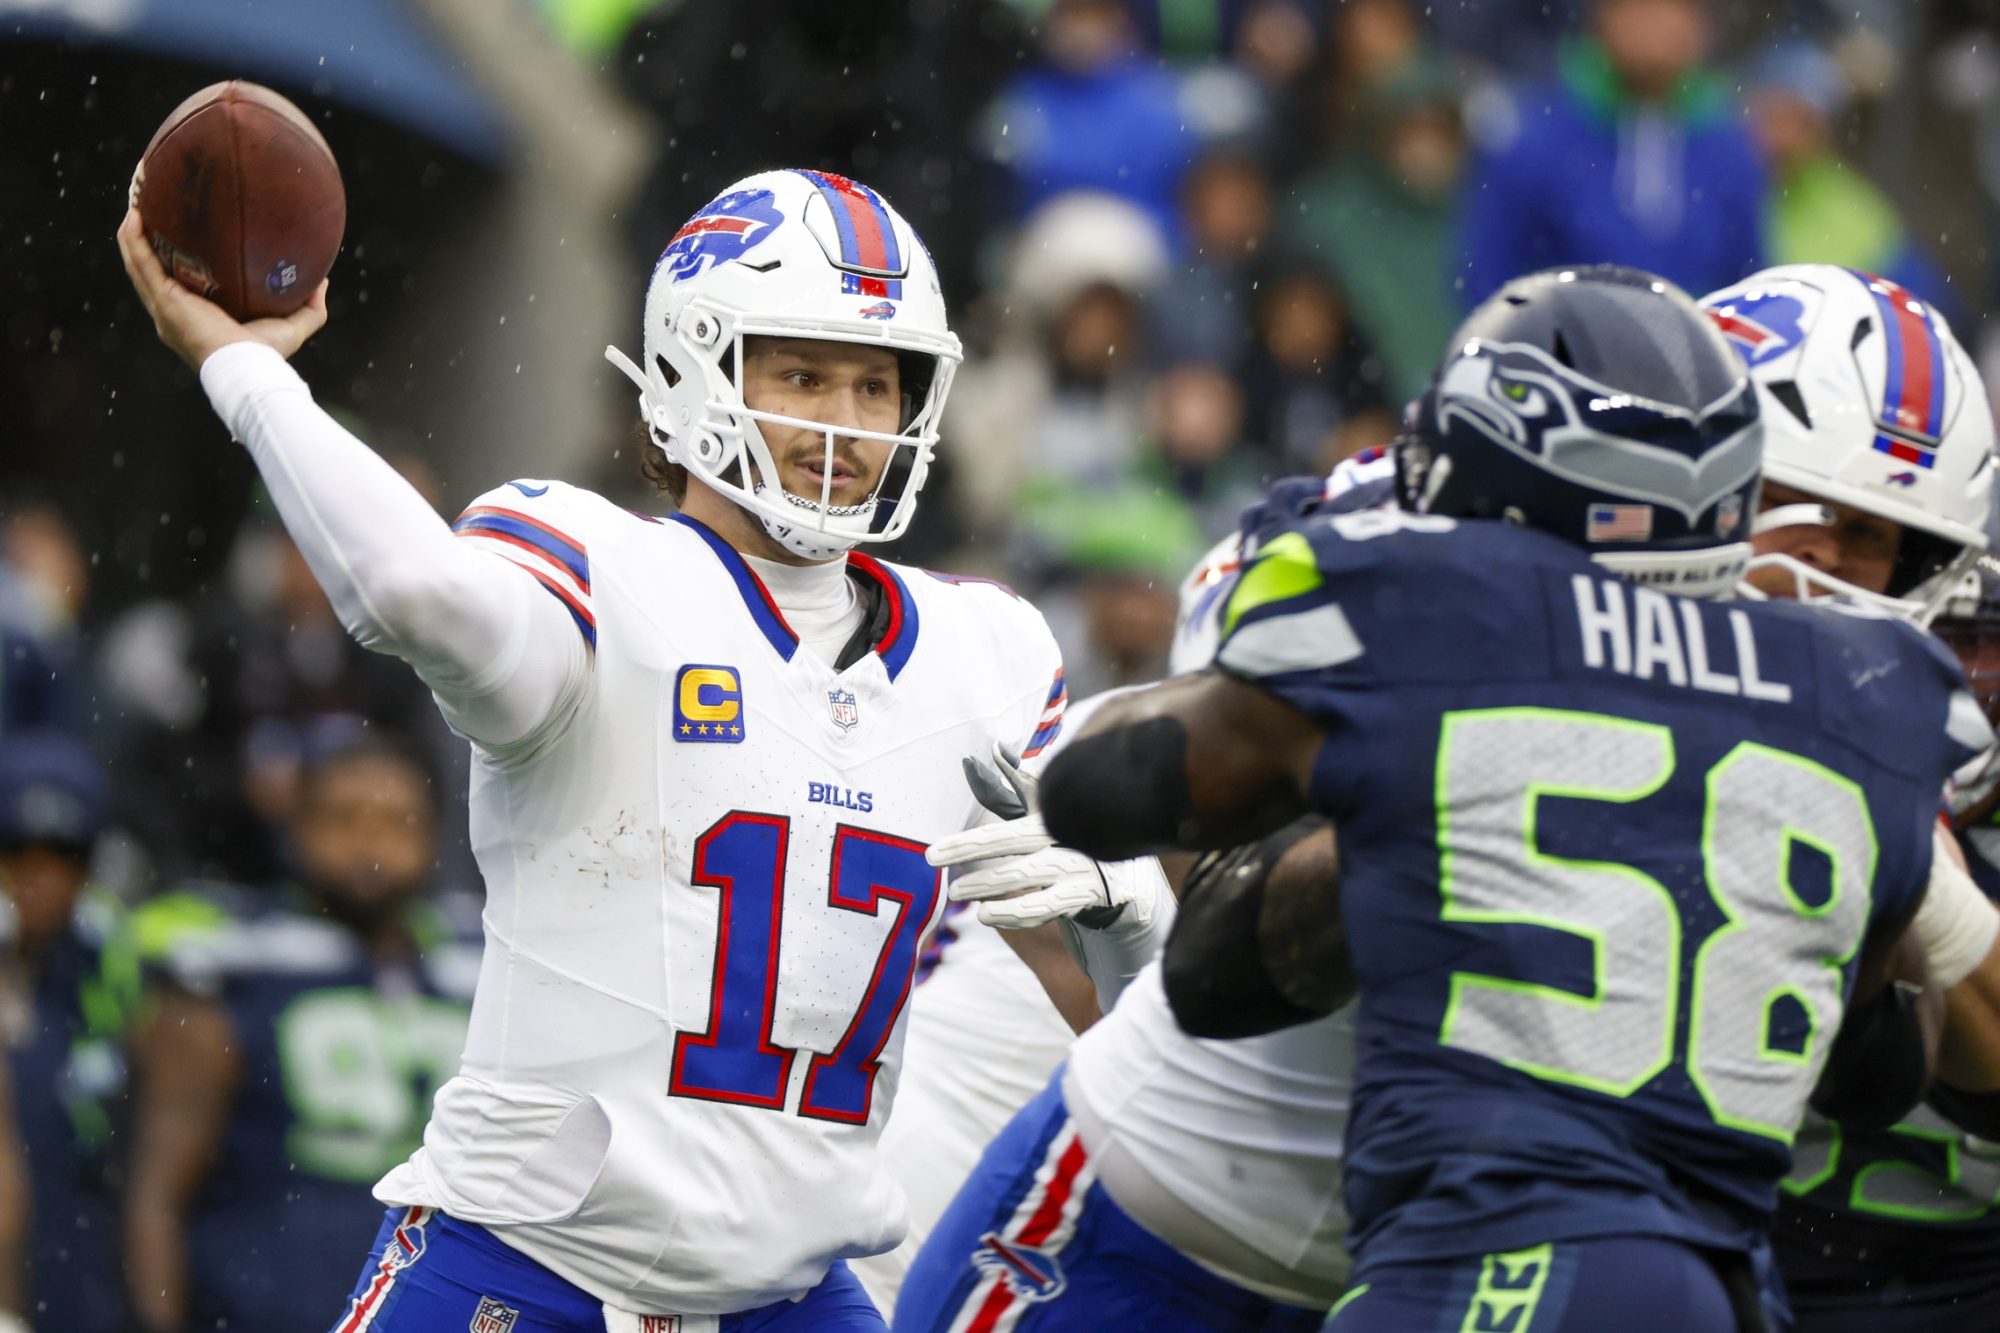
(242, 200)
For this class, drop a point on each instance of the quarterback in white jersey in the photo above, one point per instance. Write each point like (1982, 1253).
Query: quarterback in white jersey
(710, 753)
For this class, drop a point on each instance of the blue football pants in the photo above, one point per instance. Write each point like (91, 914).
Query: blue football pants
(429, 1272)
(1033, 1244)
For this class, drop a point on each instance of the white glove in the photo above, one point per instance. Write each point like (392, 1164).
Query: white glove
(1022, 877)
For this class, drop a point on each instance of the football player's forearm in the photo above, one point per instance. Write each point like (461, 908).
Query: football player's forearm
(1886, 1051)
(400, 582)
(186, 1069)
(1068, 986)
(1196, 763)
(15, 1194)
(1958, 929)
(1969, 1056)
(155, 1264)
(1260, 945)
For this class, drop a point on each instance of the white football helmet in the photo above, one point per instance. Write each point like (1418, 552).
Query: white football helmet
(1205, 591)
(1868, 401)
(792, 254)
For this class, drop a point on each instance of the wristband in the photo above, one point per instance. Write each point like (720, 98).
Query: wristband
(1117, 952)
(1956, 923)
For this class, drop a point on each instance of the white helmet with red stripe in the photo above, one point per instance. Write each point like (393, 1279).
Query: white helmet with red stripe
(792, 254)
(1868, 401)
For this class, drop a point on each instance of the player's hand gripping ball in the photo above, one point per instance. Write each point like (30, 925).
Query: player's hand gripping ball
(241, 200)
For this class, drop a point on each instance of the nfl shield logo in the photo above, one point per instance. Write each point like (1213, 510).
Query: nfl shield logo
(845, 712)
(493, 1317)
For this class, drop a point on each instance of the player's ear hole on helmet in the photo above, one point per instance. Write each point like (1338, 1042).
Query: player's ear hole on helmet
(1919, 556)
(1787, 393)
(914, 372)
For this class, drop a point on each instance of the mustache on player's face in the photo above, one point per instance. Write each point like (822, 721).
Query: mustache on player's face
(848, 462)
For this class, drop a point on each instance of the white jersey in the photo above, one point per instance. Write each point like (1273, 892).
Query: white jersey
(706, 897)
(984, 1038)
(1245, 1133)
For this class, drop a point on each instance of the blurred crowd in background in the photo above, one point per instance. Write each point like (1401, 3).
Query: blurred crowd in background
(1190, 245)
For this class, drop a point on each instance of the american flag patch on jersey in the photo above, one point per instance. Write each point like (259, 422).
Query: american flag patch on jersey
(1050, 724)
(1619, 523)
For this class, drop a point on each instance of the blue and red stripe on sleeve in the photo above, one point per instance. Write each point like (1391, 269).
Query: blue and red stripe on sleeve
(1050, 724)
(557, 561)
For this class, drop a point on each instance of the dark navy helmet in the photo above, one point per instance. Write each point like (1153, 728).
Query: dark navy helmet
(52, 791)
(1601, 405)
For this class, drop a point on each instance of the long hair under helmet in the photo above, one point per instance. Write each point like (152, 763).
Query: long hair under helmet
(792, 254)
(1869, 401)
(1599, 404)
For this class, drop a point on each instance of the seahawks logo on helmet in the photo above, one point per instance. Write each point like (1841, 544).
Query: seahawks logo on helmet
(1524, 400)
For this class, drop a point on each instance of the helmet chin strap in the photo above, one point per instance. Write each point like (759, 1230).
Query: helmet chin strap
(806, 543)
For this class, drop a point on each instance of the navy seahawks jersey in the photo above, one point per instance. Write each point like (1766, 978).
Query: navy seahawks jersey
(341, 1055)
(68, 1073)
(1608, 859)
(1911, 1212)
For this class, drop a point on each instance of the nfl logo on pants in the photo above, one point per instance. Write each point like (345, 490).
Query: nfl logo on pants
(493, 1317)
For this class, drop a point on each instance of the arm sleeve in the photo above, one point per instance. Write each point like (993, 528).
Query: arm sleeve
(501, 657)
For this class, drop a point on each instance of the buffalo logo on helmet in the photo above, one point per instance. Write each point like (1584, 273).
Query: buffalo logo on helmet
(880, 310)
(1032, 1274)
(726, 230)
(1761, 325)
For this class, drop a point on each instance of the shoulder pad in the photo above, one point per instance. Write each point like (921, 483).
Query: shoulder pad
(1290, 610)
(539, 526)
(1896, 691)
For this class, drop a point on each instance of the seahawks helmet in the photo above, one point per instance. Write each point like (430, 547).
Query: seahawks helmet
(792, 254)
(1598, 404)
